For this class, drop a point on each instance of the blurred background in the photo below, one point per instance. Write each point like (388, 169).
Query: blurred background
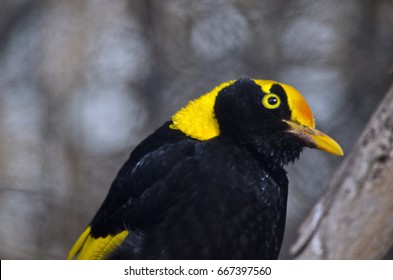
(82, 82)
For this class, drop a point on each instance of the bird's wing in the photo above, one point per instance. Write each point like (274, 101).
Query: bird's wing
(135, 194)
(87, 247)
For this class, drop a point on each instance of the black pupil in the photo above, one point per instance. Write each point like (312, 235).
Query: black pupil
(272, 100)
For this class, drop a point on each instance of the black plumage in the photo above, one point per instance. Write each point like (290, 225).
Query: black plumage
(221, 198)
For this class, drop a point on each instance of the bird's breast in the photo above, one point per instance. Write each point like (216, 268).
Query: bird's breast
(244, 203)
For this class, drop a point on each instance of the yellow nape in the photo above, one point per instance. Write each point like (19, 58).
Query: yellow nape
(197, 118)
(301, 112)
(90, 248)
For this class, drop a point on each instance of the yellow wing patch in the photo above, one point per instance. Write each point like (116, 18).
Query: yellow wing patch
(90, 248)
(197, 118)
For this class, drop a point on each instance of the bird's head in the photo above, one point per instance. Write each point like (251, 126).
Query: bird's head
(268, 117)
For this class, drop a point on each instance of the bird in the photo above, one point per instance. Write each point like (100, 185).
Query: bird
(209, 183)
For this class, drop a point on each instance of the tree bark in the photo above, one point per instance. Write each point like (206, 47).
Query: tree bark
(354, 219)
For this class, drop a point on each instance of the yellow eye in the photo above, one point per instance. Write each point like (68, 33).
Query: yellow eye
(271, 101)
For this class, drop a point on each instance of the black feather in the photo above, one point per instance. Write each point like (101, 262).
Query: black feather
(224, 198)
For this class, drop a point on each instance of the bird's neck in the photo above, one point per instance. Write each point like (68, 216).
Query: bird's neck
(197, 119)
(276, 155)
(273, 153)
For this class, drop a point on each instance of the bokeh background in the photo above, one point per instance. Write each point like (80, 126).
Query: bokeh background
(84, 81)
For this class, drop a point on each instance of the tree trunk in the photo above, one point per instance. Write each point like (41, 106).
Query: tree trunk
(354, 219)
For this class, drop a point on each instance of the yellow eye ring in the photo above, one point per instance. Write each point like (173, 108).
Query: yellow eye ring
(271, 101)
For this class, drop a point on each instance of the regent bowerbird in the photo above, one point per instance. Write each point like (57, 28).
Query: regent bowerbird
(210, 183)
